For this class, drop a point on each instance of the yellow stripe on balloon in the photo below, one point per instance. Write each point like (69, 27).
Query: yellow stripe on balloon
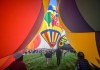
(45, 4)
(56, 36)
(54, 13)
(54, 7)
(44, 37)
(30, 45)
(48, 33)
(57, 28)
(50, 11)
(86, 43)
(44, 26)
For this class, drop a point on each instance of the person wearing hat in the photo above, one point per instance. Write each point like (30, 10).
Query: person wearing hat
(18, 64)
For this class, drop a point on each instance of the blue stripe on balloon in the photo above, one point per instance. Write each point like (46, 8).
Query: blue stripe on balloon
(51, 35)
(58, 36)
(51, 31)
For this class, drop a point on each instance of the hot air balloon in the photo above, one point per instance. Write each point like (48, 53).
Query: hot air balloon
(51, 29)
(51, 36)
(81, 21)
(62, 41)
(20, 22)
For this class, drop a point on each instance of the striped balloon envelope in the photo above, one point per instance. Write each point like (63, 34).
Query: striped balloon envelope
(51, 36)
(80, 19)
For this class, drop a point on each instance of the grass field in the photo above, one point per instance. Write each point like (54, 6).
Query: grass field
(37, 62)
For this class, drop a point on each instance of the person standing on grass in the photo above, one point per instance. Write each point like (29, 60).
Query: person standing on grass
(48, 56)
(58, 55)
(18, 64)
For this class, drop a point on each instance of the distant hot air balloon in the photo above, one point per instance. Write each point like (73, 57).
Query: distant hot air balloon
(51, 29)
(81, 21)
(51, 36)
(62, 41)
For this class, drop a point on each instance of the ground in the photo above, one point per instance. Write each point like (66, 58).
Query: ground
(38, 62)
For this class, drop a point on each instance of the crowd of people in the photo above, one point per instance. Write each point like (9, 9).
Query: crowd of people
(18, 64)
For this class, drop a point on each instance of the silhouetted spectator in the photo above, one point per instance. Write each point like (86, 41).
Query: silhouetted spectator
(82, 64)
(41, 52)
(18, 64)
(48, 56)
(58, 55)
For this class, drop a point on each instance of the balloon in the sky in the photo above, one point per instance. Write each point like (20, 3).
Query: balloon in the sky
(62, 41)
(51, 29)
(81, 21)
(19, 23)
(51, 36)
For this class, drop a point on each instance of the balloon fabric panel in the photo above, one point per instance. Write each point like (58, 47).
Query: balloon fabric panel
(63, 25)
(17, 24)
(33, 32)
(85, 42)
(90, 11)
(72, 18)
(18, 17)
(34, 43)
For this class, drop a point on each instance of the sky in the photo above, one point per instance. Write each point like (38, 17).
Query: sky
(53, 2)
(43, 43)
